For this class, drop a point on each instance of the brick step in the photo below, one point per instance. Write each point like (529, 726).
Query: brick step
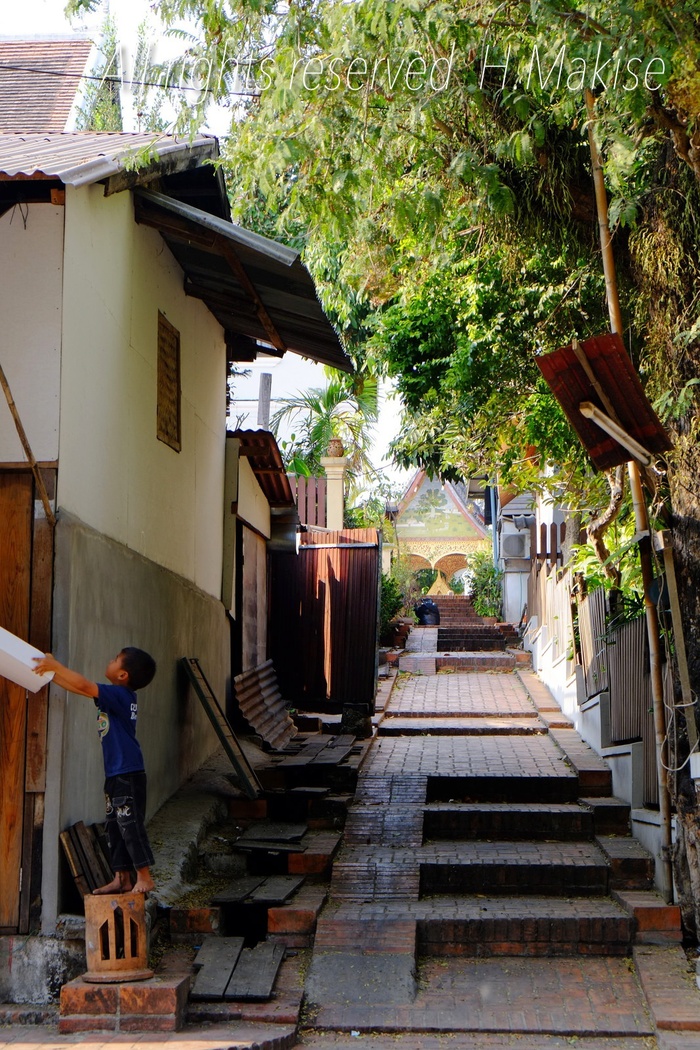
(656, 921)
(631, 866)
(514, 789)
(475, 661)
(595, 777)
(466, 641)
(294, 923)
(611, 816)
(513, 868)
(454, 821)
(525, 926)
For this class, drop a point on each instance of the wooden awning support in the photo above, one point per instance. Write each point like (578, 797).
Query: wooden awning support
(39, 481)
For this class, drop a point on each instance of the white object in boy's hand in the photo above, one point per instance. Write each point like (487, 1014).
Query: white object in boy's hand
(17, 662)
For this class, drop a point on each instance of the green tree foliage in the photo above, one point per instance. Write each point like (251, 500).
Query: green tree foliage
(345, 408)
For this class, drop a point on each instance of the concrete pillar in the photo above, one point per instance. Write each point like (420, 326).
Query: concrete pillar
(334, 467)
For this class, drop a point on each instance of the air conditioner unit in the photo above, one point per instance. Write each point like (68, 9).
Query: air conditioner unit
(513, 546)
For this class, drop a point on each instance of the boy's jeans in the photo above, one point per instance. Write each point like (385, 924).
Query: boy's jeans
(125, 798)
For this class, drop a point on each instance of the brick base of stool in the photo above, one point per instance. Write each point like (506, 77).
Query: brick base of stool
(156, 1005)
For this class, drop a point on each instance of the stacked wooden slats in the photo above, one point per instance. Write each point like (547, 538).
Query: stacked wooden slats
(86, 857)
(262, 706)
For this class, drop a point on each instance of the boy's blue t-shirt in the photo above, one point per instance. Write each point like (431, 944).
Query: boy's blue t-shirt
(116, 723)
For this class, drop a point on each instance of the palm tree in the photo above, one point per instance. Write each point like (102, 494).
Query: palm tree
(345, 408)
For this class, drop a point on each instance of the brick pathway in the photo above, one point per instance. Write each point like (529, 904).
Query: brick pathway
(382, 907)
(461, 694)
(474, 756)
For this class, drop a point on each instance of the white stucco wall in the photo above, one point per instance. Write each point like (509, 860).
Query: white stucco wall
(131, 487)
(253, 508)
(31, 262)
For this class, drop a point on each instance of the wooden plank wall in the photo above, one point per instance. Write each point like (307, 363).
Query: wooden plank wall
(324, 611)
(26, 578)
(16, 513)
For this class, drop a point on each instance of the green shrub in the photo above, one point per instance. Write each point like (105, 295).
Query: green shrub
(391, 603)
(485, 586)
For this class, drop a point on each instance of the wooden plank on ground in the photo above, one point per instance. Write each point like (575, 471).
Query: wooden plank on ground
(266, 846)
(256, 972)
(238, 889)
(276, 889)
(276, 831)
(236, 756)
(215, 966)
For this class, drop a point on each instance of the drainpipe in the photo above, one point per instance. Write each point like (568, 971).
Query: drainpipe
(494, 524)
(641, 520)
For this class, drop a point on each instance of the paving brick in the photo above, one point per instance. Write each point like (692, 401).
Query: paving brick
(248, 809)
(631, 866)
(657, 922)
(670, 987)
(160, 995)
(84, 997)
(149, 1023)
(189, 925)
(87, 1023)
(299, 915)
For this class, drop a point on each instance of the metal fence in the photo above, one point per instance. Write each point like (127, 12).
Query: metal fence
(324, 614)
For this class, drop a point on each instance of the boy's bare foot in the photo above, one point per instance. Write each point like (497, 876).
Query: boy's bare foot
(144, 883)
(121, 883)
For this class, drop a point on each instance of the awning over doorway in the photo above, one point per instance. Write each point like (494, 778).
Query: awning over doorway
(259, 291)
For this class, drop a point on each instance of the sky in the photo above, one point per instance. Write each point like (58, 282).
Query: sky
(46, 18)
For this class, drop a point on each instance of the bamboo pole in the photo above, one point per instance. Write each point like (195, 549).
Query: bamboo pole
(641, 519)
(41, 487)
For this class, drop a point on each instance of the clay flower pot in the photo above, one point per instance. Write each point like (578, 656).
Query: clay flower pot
(335, 448)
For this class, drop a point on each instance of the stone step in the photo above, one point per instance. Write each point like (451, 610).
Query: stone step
(498, 820)
(516, 868)
(524, 926)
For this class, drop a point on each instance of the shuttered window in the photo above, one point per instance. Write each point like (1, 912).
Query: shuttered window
(168, 423)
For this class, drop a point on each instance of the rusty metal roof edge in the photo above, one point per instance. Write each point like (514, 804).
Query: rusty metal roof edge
(266, 446)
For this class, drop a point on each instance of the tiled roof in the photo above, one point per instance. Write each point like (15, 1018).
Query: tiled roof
(39, 80)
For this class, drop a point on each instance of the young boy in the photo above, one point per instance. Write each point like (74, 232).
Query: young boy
(125, 779)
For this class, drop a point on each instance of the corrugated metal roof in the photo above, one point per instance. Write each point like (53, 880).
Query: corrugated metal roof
(262, 452)
(615, 374)
(39, 80)
(257, 289)
(272, 249)
(79, 158)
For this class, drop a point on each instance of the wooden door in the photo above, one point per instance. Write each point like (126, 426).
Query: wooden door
(16, 515)
(26, 585)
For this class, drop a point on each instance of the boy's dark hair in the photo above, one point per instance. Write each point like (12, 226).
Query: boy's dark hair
(140, 666)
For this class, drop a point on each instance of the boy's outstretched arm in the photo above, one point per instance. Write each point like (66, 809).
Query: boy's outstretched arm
(63, 676)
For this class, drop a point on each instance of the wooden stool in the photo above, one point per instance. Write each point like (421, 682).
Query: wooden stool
(116, 944)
